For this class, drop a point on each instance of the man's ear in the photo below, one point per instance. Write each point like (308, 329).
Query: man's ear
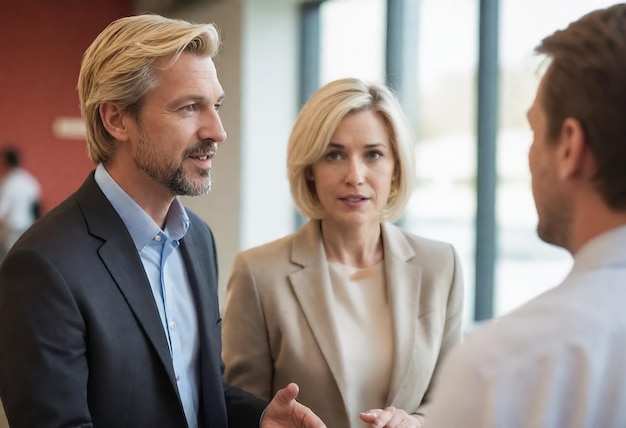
(572, 149)
(114, 120)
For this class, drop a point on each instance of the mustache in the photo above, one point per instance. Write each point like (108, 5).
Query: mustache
(206, 147)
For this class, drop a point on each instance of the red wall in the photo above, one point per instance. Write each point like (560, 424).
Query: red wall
(41, 46)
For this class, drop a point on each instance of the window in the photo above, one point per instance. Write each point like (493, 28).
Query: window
(443, 206)
(351, 46)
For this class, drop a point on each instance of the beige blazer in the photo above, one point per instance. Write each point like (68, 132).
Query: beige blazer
(279, 327)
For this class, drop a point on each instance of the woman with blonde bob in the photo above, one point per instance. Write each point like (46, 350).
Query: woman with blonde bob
(355, 310)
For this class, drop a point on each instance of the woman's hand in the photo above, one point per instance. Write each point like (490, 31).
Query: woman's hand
(391, 417)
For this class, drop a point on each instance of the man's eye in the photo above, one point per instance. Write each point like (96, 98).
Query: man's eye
(191, 107)
(217, 107)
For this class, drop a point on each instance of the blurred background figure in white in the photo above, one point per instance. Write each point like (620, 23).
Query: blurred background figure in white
(20, 199)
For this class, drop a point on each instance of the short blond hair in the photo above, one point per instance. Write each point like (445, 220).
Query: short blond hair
(117, 67)
(317, 122)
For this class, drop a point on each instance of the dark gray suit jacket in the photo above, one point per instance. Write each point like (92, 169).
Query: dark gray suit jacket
(81, 341)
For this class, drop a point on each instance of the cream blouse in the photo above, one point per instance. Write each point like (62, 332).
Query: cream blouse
(365, 332)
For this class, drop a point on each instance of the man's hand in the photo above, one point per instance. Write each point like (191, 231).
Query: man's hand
(390, 417)
(285, 411)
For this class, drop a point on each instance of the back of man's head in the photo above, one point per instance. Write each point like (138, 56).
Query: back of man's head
(586, 80)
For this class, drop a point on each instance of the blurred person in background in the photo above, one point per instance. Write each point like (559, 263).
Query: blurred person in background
(20, 199)
(559, 360)
(351, 307)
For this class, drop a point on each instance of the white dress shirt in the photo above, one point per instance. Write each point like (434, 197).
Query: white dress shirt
(558, 361)
(161, 257)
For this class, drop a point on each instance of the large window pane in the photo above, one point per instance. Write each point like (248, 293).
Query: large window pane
(525, 266)
(353, 40)
(444, 203)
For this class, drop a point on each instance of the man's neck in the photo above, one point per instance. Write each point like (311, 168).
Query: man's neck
(592, 219)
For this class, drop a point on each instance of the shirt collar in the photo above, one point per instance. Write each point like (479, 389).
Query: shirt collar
(140, 225)
(606, 249)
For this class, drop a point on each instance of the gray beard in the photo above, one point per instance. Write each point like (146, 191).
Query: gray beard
(181, 185)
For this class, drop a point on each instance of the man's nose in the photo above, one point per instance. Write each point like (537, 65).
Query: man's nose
(212, 127)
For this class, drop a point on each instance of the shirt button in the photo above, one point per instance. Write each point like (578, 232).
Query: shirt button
(157, 238)
(177, 378)
(172, 324)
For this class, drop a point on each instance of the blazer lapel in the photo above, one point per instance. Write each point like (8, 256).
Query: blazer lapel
(313, 290)
(119, 255)
(403, 287)
(200, 262)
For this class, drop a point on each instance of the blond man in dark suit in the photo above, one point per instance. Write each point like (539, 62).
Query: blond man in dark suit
(108, 305)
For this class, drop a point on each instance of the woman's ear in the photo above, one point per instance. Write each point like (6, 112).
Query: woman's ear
(308, 173)
(396, 175)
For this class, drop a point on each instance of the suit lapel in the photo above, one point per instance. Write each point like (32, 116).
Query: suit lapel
(200, 263)
(403, 286)
(313, 290)
(119, 255)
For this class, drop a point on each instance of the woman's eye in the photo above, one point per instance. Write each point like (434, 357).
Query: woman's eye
(374, 155)
(334, 155)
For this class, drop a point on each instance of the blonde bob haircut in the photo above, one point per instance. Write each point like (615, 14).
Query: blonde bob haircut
(317, 122)
(117, 67)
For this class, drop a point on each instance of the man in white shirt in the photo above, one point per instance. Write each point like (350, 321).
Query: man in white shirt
(558, 361)
(19, 199)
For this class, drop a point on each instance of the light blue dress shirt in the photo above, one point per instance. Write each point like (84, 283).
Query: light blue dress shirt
(162, 260)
